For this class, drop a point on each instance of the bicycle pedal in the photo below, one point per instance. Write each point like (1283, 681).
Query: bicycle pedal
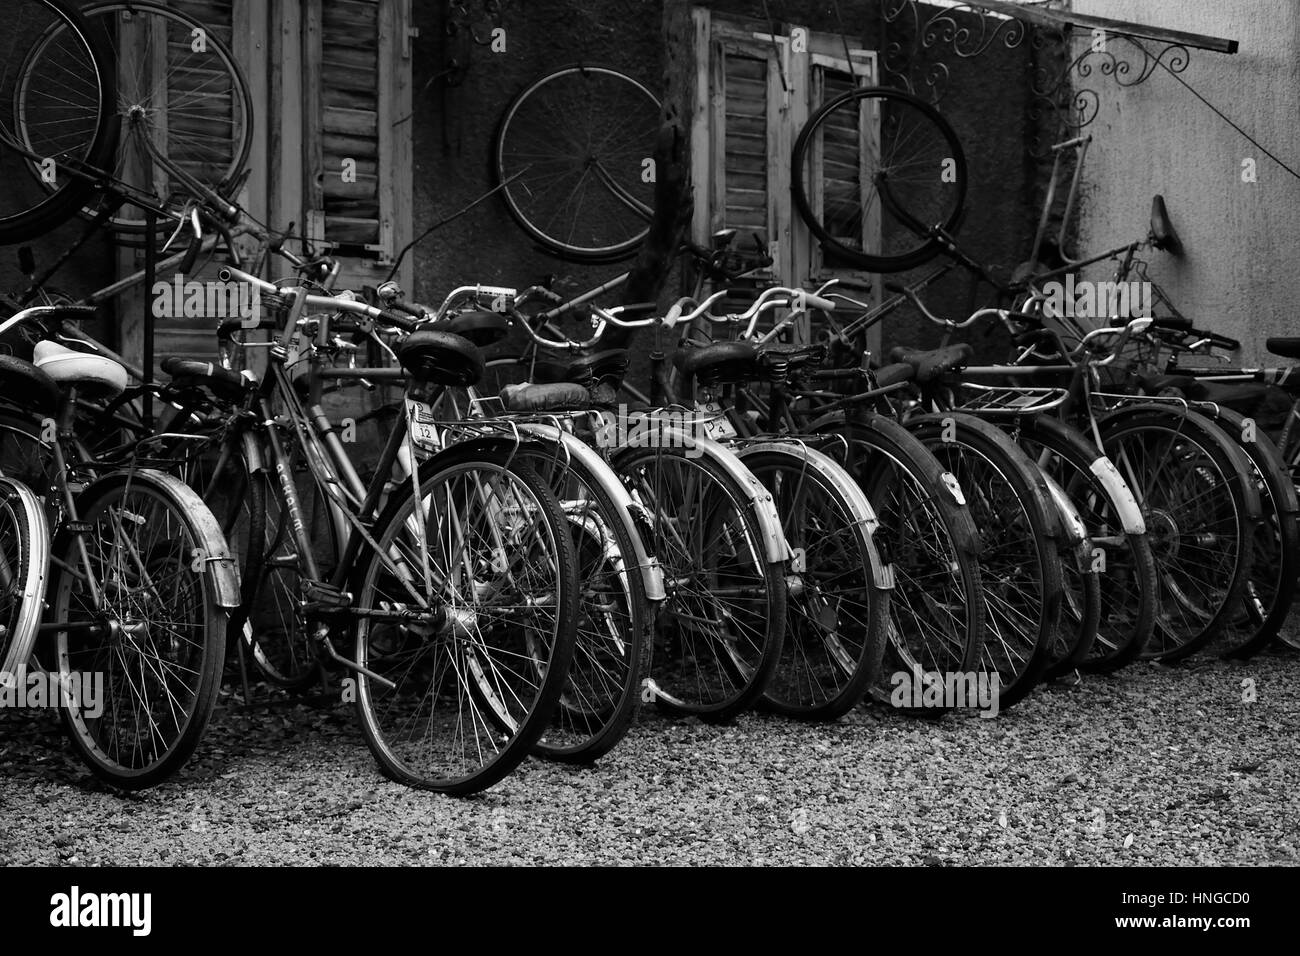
(317, 595)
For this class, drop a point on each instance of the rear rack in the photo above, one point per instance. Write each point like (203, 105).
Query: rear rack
(1009, 400)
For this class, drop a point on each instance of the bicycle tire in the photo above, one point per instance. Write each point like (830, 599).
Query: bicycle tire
(1210, 459)
(193, 634)
(513, 139)
(742, 663)
(901, 247)
(1128, 581)
(407, 754)
(611, 659)
(834, 637)
(1271, 588)
(24, 563)
(928, 536)
(981, 456)
(51, 207)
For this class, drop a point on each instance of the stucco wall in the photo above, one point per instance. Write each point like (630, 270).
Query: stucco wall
(1242, 240)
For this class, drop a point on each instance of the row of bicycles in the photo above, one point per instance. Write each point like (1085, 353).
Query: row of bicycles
(530, 553)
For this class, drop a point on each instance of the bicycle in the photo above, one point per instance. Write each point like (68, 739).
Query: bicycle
(457, 585)
(142, 583)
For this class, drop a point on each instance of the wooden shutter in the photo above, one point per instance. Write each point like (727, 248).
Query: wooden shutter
(741, 198)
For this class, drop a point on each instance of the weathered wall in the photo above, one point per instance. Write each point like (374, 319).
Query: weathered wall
(1242, 240)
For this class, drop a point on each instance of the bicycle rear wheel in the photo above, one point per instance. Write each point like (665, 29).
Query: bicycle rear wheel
(837, 605)
(140, 616)
(719, 633)
(864, 142)
(24, 561)
(466, 613)
(1200, 504)
(571, 149)
(55, 115)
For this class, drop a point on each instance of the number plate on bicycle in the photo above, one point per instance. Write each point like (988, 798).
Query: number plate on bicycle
(716, 426)
(424, 428)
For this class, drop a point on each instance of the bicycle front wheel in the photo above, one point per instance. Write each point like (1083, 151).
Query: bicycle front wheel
(140, 624)
(466, 619)
(837, 605)
(1199, 499)
(720, 631)
(24, 560)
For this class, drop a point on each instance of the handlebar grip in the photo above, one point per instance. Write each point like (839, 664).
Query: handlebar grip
(1221, 341)
(411, 310)
(398, 320)
(817, 302)
(1173, 323)
(223, 378)
(228, 327)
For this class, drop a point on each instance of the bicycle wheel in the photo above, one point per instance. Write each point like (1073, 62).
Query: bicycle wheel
(837, 601)
(719, 633)
(55, 115)
(466, 614)
(1271, 589)
(861, 144)
(926, 533)
(571, 150)
(1200, 504)
(1121, 552)
(185, 109)
(139, 611)
(612, 648)
(1019, 562)
(24, 562)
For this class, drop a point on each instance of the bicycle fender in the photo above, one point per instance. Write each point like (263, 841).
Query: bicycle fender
(1075, 531)
(835, 475)
(216, 556)
(1234, 423)
(647, 565)
(774, 545)
(1120, 494)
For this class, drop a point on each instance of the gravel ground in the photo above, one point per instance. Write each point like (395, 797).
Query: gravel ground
(1154, 765)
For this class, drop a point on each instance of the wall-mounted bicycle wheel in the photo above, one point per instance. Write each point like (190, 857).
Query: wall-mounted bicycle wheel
(573, 148)
(55, 115)
(185, 112)
(874, 170)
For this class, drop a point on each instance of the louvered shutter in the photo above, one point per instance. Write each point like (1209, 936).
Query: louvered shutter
(343, 93)
(743, 184)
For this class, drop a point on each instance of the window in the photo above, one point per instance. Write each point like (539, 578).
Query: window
(754, 92)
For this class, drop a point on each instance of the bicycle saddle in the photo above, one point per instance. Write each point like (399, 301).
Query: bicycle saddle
(480, 328)
(722, 363)
(24, 384)
(222, 382)
(95, 375)
(441, 358)
(1285, 346)
(929, 364)
(1163, 236)
(550, 397)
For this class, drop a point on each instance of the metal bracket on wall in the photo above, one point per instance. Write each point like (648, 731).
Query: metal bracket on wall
(1072, 52)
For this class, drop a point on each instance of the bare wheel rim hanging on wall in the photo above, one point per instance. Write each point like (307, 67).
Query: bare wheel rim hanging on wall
(183, 104)
(869, 161)
(574, 149)
(53, 115)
